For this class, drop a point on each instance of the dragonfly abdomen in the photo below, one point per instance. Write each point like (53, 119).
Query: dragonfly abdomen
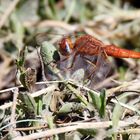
(115, 51)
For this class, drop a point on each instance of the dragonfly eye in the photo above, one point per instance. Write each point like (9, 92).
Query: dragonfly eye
(65, 46)
(68, 49)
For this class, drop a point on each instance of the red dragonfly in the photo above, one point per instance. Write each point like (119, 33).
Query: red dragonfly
(82, 50)
(88, 46)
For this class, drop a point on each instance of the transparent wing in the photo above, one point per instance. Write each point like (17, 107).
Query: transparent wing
(86, 68)
(74, 64)
(100, 71)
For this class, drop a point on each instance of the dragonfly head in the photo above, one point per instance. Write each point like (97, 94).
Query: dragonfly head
(65, 46)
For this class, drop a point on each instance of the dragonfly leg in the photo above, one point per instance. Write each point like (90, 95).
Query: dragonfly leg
(95, 68)
(73, 60)
(97, 63)
(105, 55)
(64, 59)
(94, 64)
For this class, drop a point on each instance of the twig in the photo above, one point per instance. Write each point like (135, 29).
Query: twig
(22, 121)
(125, 105)
(130, 131)
(40, 92)
(120, 29)
(8, 12)
(35, 94)
(29, 128)
(78, 94)
(119, 14)
(37, 83)
(106, 81)
(125, 86)
(87, 125)
(51, 23)
(112, 100)
(13, 115)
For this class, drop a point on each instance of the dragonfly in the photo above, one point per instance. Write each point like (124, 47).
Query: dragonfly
(89, 45)
(91, 54)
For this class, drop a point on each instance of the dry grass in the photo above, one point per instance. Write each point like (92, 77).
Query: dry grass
(60, 108)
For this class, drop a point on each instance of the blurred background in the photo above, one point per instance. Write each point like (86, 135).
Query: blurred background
(30, 22)
(112, 21)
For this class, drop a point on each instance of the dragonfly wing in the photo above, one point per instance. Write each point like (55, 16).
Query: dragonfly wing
(102, 69)
(77, 71)
(77, 63)
(90, 67)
